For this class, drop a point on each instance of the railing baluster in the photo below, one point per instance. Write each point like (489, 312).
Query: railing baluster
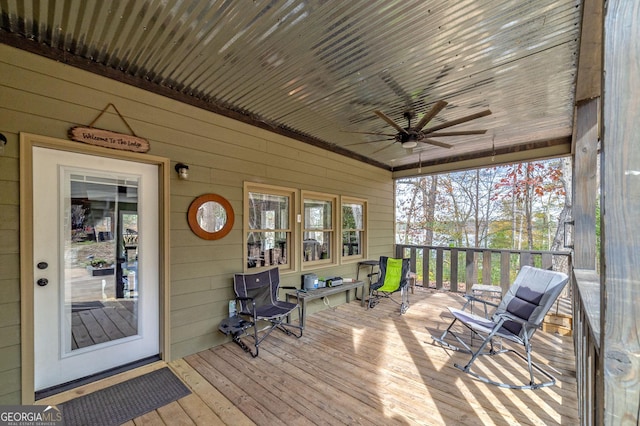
(413, 256)
(545, 259)
(505, 271)
(439, 267)
(426, 255)
(486, 267)
(469, 269)
(454, 270)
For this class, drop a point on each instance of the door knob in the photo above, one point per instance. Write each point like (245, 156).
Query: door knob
(43, 265)
(42, 282)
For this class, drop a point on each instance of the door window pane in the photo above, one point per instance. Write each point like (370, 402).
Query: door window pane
(100, 259)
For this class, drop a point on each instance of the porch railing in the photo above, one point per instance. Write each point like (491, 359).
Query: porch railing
(456, 268)
(586, 325)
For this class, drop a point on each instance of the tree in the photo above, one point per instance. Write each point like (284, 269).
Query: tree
(498, 207)
(525, 185)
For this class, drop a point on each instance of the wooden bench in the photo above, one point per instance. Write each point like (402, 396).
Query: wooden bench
(304, 296)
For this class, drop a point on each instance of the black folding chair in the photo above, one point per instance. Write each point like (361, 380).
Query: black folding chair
(257, 300)
(516, 319)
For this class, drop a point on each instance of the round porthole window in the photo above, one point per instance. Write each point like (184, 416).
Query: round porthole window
(210, 216)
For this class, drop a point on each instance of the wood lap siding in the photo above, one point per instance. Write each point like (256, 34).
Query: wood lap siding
(9, 270)
(48, 97)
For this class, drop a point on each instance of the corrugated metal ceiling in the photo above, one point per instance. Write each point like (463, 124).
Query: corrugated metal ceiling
(319, 68)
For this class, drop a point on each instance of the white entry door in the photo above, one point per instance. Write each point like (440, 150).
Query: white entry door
(96, 263)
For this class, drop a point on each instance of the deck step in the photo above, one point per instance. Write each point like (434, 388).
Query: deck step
(561, 324)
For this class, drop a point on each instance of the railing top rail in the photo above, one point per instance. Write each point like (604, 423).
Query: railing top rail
(484, 249)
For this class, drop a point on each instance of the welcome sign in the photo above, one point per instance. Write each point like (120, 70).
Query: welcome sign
(108, 139)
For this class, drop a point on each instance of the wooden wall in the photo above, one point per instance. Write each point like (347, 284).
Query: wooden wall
(45, 97)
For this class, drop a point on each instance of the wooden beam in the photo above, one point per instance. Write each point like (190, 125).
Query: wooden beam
(588, 83)
(585, 185)
(535, 150)
(620, 348)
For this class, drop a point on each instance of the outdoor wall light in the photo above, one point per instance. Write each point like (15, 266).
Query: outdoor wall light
(3, 142)
(183, 171)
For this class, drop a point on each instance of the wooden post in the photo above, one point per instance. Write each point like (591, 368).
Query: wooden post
(620, 201)
(585, 185)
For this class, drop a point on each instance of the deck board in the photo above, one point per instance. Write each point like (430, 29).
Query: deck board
(359, 366)
(369, 367)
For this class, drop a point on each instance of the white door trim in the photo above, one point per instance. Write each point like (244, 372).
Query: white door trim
(27, 142)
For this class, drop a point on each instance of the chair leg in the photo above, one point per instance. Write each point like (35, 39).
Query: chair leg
(530, 366)
(446, 344)
(374, 298)
(527, 347)
(236, 339)
(478, 352)
(404, 297)
(284, 326)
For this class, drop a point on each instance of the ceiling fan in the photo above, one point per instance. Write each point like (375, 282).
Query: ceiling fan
(410, 136)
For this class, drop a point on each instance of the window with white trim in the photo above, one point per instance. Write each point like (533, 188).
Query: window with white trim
(354, 224)
(268, 226)
(318, 229)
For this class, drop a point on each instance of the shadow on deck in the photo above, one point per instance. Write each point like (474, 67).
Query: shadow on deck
(359, 366)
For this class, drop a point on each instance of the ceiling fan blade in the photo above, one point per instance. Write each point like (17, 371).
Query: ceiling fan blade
(369, 133)
(390, 121)
(437, 143)
(364, 143)
(378, 150)
(458, 121)
(430, 114)
(460, 133)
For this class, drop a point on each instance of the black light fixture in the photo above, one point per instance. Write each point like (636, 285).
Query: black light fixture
(183, 171)
(3, 142)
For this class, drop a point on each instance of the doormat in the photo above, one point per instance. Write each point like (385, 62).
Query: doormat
(120, 403)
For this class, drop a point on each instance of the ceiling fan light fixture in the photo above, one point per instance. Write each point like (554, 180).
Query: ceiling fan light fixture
(409, 144)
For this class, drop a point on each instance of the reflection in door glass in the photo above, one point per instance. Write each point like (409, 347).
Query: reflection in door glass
(101, 259)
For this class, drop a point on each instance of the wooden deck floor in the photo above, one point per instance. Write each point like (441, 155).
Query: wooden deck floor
(358, 366)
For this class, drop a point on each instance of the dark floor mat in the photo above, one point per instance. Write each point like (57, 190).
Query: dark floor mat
(120, 403)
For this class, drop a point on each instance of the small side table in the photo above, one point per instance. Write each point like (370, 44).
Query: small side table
(484, 291)
(372, 264)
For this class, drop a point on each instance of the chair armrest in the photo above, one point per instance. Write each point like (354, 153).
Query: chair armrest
(508, 317)
(471, 298)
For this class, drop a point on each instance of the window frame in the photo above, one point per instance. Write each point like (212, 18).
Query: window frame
(291, 253)
(333, 257)
(365, 230)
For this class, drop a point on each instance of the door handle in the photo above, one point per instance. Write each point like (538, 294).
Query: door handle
(42, 282)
